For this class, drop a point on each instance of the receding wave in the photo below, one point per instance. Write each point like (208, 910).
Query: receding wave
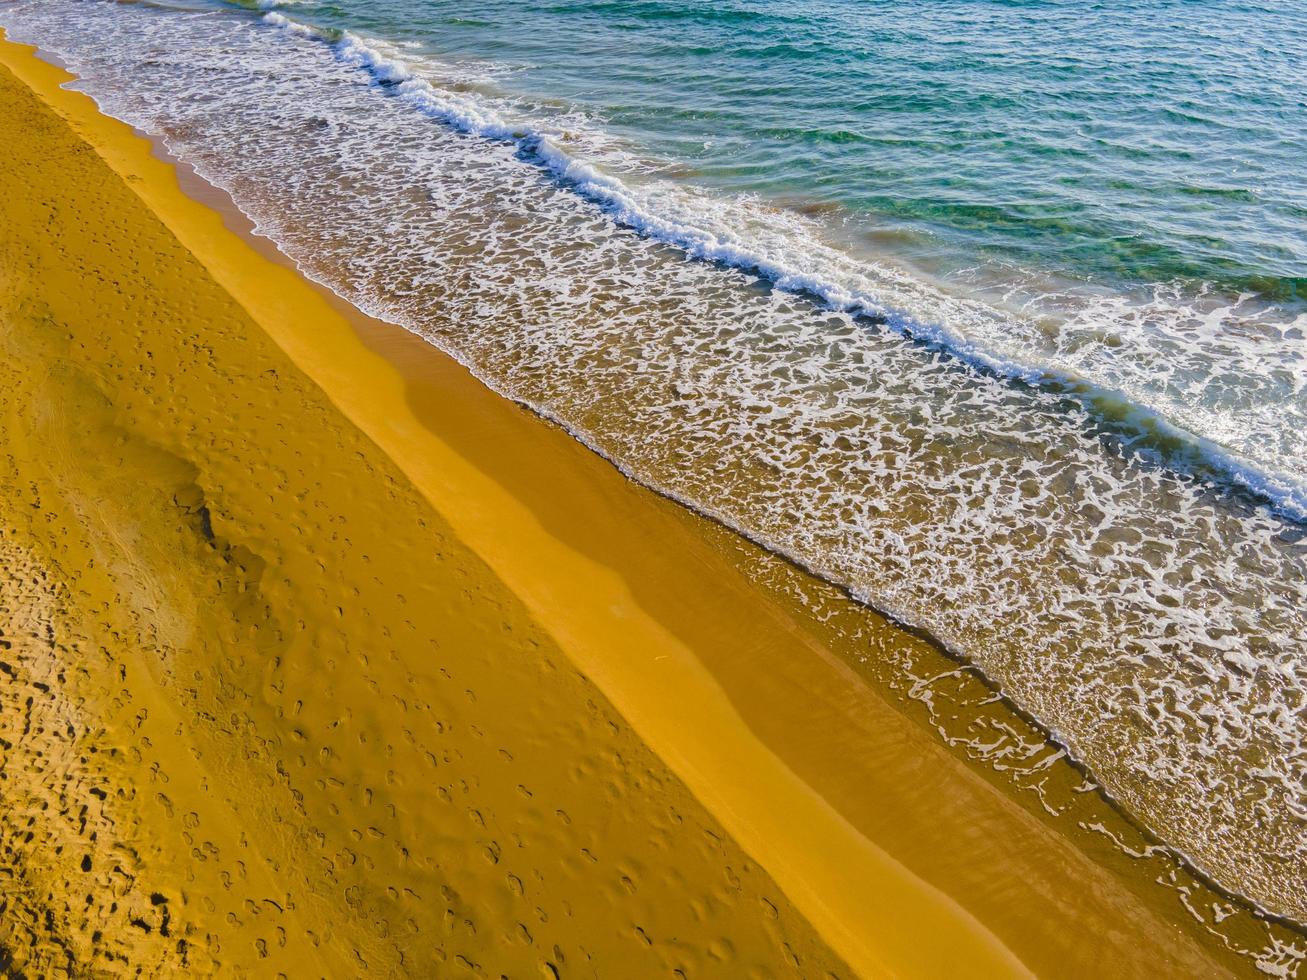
(719, 245)
(782, 266)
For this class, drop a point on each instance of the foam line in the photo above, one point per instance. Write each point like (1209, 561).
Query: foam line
(1282, 492)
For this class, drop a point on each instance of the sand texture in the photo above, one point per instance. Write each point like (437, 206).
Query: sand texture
(262, 711)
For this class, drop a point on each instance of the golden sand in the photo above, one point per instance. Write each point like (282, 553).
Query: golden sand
(318, 658)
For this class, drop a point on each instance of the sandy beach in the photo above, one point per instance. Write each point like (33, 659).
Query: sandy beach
(319, 658)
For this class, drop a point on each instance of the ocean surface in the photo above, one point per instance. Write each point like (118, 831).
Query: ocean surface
(993, 312)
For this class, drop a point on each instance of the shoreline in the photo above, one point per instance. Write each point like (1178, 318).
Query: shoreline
(425, 364)
(732, 689)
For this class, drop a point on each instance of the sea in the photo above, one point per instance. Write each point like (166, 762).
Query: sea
(991, 312)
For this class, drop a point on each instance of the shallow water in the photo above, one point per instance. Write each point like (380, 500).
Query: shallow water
(1079, 466)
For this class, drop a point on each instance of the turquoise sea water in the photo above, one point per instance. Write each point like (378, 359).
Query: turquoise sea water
(1125, 143)
(992, 313)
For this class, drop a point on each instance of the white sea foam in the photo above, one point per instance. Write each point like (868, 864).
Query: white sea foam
(275, 19)
(796, 261)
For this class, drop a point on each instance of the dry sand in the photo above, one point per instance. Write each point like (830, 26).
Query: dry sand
(317, 658)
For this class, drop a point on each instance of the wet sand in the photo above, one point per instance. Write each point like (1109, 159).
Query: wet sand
(321, 658)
